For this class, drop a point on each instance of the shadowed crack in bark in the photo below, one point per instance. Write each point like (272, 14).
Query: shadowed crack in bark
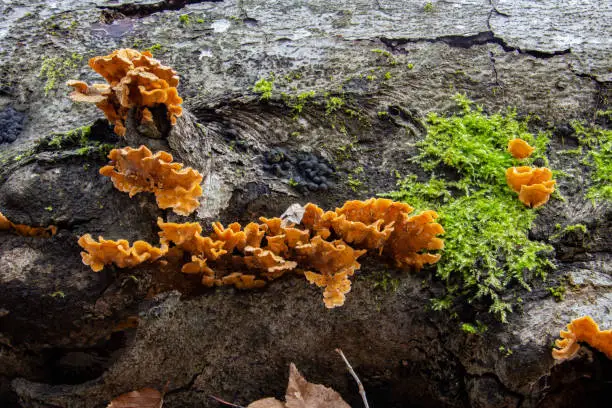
(481, 38)
(143, 10)
(468, 41)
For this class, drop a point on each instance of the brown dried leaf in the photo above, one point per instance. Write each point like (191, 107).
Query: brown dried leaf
(143, 398)
(302, 394)
(266, 403)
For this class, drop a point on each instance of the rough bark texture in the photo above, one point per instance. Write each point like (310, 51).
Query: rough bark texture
(63, 338)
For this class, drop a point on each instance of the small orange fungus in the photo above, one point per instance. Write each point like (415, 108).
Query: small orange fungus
(519, 149)
(583, 329)
(335, 261)
(533, 184)
(26, 230)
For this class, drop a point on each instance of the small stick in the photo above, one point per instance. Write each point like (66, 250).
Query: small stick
(229, 404)
(357, 380)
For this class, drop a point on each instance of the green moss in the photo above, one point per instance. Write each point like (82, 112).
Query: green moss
(387, 76)
(487, 249)
(354, 183)
(429, 7)
(477, 328)
(184, 19)
(389, 57)
(505, 351)
(154, 48)
(410, 66)
(595, 145)
(576, 227)
(557, 292)
(264, 88)
(579, 231)
(384, 281)
(298, 102)
(600, 159)
(55, 69)
(75, 137)
(333, 104)
(604, 114)
(293, 183)
(384, 53)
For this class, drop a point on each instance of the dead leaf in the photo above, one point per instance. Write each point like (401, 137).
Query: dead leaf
(143, 398)
(266, 403)
(302, 394)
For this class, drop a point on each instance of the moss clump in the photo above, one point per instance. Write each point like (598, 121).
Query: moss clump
(578, 230)
(298, 102)
(487, 248)
(598, 143)
(477, 328)
(390, 58)
(55, 69)
(264, 87)
(75, 137)
(154, 48)
(557, 292)
(333, 104)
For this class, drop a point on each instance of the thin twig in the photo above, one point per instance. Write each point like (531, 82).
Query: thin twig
(229, 404)
(357, 380)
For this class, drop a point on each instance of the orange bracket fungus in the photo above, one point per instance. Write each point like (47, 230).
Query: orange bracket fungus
(386, 225)
(335, 261)
(274, 247)
(519, 149)
(120, 253)
(136, 170)
(586, 330)
(26, 230)
(135, 80)
(533, 184)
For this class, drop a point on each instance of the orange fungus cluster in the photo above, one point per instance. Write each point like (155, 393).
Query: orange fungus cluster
(26, 230)
(134, 80)
(534, 184)
(321, 246)
(583, 329)
(136, 170)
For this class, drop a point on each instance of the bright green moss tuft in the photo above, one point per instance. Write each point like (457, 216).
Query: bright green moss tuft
(333, 104)
(478, 328)
(599, 157)
(264, 88)
(429, 7)
(487, 248)
(557, 292)
(55, 70)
